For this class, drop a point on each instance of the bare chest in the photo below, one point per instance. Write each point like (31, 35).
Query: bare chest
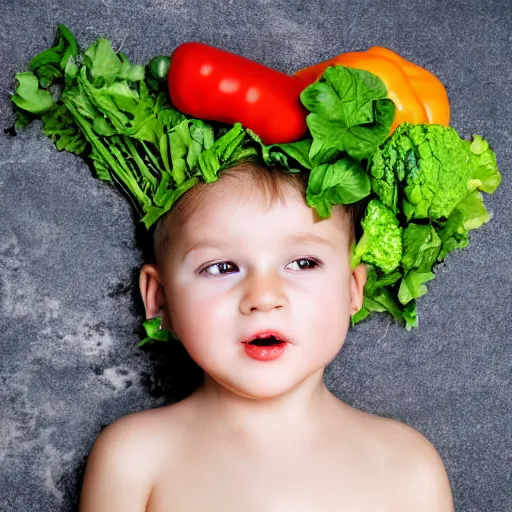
(274, 480)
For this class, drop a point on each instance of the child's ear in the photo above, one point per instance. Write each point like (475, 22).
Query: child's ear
(357, 282)
(152, 291)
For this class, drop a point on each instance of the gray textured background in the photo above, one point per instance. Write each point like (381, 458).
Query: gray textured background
(69, 305)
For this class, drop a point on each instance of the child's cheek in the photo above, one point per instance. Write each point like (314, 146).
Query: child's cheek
(328, 309)
(203, 311)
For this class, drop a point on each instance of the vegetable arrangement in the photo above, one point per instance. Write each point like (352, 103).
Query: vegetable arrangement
(144, 129)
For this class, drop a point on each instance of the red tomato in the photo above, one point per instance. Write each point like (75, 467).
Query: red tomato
(209, 83)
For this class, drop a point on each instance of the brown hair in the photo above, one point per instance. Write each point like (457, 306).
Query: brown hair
(272, 181)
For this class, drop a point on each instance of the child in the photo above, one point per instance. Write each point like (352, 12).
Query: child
(237, 258)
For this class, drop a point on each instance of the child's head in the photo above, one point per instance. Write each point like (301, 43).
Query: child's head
(246, 254)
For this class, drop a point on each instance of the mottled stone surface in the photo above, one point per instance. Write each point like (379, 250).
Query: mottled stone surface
(69, 304)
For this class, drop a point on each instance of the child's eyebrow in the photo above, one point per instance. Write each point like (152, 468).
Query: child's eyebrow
(202, 244)
(309, 237)
(294, 239)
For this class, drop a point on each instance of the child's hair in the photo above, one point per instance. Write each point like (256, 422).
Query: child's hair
(272, 181)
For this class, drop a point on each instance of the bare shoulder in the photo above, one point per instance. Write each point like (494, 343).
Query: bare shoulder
(125, 460)
(414, 463)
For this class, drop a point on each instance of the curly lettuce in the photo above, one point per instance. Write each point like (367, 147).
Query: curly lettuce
(381, 242)
(428, 182)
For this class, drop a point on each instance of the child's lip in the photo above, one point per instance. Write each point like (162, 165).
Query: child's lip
(265, 334)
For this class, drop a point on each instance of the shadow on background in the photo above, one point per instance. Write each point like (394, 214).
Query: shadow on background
(172, 375)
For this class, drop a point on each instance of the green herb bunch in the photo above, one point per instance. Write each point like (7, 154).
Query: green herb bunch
(422, 185)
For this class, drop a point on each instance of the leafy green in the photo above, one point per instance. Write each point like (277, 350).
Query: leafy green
(105, 67)
(469, 214)
(59, 125)
(349, 113)
(154, 332)
(412, 285)
(343, 182)
(485, 175)
(299, 151)
(377, 296)
(381, 242)
(421, 247)
(433, 166)
(292, 157)
(165, 198)
(429, 180)
(128, 132)
(49, 64)
(29, 97)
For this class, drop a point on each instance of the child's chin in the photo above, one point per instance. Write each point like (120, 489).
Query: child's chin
(265, 389)
(263, 394)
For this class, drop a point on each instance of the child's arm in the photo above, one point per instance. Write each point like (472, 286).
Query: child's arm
(119, 470)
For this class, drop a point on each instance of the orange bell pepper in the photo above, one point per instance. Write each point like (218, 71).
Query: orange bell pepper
(419, 96)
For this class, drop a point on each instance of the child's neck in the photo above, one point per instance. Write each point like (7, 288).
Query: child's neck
(302, 407)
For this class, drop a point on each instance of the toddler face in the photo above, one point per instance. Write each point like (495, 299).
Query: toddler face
(239, 266)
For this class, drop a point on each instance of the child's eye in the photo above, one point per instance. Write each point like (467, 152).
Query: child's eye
(222, 268)
(306, 263)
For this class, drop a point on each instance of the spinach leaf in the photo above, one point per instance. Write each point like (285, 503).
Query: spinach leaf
(342, 182)
(349, 112)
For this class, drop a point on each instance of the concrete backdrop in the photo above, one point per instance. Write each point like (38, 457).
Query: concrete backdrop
(69, 304)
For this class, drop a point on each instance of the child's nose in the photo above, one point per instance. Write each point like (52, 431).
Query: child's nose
(263, 292)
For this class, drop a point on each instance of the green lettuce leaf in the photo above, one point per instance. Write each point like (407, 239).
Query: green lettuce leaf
(381, 242)
(51, 64)
(410, 315)
(59, 125)
(485, 175)
(412, 285)
(378, 298)
(29, 96)
(167, 198)
(421, 247)
(469, 214)
(436, 165)
(105, 67)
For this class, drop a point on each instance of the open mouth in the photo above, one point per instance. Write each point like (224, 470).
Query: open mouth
(265, 346)
(266, 342)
